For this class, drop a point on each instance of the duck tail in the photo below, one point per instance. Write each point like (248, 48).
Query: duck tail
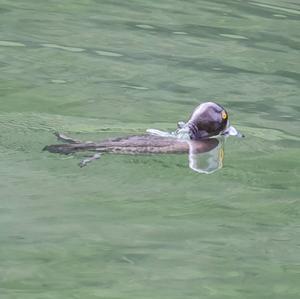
(65, 148)
(69, 148)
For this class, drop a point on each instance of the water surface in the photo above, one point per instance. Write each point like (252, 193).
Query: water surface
(148, 226)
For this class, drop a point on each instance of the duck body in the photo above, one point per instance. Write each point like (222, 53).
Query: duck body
(138, 144)
(198, 135)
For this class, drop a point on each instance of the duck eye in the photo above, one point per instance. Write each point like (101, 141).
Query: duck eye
(224, 114)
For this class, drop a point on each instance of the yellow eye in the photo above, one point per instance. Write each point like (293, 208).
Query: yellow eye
(224, 114)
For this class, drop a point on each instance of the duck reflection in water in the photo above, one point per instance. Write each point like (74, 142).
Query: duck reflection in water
(202, 137)
(207, 162)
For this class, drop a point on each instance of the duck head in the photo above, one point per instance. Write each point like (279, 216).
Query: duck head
(207, 120)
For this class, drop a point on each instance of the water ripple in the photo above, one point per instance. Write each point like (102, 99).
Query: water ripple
(106, 53)
(70, 49)
(274, 7)
(234, 36)
(11, 44)
(144, 26)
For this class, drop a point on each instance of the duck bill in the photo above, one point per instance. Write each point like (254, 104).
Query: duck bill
(232, 131)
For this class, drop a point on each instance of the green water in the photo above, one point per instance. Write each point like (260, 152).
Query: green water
(148, 226)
